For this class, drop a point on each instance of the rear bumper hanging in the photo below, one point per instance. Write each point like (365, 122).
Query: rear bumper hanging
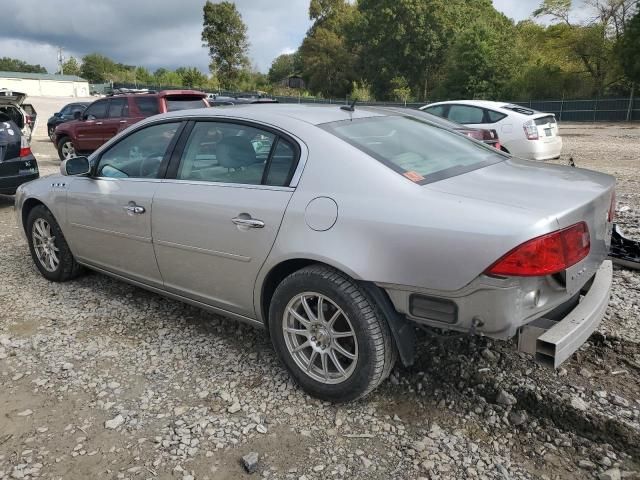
(624, 251)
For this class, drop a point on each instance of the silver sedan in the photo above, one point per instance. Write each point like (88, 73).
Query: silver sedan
(340, 230)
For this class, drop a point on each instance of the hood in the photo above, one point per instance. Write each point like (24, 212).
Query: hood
(9, 97)
(543, 188)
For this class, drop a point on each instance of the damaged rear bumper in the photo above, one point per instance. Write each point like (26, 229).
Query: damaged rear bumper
(552, 342)
(624, 251)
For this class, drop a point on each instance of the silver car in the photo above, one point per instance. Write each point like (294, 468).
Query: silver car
(338, 229)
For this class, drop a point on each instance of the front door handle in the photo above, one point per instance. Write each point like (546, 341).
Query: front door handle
(123, 121)
(246, 221)
(98, 123)
(133, 209)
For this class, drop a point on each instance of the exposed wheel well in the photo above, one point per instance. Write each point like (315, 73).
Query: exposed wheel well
(504, 149)
(273, 279)
(28, 205)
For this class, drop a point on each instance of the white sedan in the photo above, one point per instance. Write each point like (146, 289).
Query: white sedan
(523, 132)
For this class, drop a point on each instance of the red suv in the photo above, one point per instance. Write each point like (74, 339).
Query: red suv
(106, 117)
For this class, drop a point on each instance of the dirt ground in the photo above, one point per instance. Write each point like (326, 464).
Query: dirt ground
(101, 379)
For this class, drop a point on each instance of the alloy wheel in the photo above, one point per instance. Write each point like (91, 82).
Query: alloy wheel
(44, 245)
(320, 338)
(68, 151)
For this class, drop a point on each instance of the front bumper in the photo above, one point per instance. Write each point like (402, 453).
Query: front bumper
(552, 342)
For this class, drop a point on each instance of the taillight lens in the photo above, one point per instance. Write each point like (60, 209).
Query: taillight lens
(612, 208)
(25, 148)
(477, 134)
(545, 255)
(531, 130)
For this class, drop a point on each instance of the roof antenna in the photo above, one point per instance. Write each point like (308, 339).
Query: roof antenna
(350, 108)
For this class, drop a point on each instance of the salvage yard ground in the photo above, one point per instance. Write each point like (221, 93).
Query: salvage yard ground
(99, 379)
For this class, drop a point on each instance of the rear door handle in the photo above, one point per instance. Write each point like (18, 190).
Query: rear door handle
(248, 222)
(98, 123)
(123, 121)
(133, 209)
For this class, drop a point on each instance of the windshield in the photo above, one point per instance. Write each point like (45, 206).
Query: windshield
(184, 103)
(421, 152)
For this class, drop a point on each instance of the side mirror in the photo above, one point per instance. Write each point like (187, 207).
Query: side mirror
(77, 115)
(75, 166)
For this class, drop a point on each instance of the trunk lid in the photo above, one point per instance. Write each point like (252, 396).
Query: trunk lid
(547, 126)
(561, 194)
(10, 97)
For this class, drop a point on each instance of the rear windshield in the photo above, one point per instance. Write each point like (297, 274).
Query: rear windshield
(184, 103)
(421, 152)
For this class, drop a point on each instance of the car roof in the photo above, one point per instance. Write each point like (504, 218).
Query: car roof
(504, 107)
(271, 112)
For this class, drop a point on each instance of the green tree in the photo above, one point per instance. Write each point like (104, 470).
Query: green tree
(225, 35)
(71, 67)
(15, 65)
(400, 89)
(282, 67)
(143, 76)
(97, 68)
(192, 77)
(628, 49)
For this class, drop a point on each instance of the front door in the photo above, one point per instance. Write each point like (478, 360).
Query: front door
(89, 130)
(117, 118)
(216, 221)
(109, 214)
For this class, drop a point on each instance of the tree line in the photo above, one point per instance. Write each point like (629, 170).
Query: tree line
(406, 50)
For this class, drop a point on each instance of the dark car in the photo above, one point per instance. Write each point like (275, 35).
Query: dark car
(17, 163)
(22, 114)
(104, 118)
(67, 114)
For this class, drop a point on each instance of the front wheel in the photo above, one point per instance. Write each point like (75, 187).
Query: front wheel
(66, 149)
(52, 133)
(330, 335)
(48, 247)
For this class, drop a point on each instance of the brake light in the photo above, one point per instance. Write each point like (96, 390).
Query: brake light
(29, 120)
(612, 208)
(25, 148)
(477, 134)
(498, 146)
(531, 130)
(547, 254)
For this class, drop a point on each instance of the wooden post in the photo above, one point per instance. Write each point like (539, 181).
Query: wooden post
(630, 109)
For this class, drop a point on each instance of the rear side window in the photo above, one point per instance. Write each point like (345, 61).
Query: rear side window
(119, 108)
(281, 166)
(147, 105)
(97, 109)
(437, 110)
(421, 152)
(465, 114)
(493, 116)
(184, 103)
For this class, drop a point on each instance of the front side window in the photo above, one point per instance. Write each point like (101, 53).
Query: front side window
(465, 114)
(66, 111)
(226, 153)
(139, 155)
(97, 110)
(422, 152)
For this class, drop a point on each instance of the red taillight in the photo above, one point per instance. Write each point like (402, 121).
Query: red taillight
(531, 130)
(497, 146)
(612, 208)
(25, 149)
(545, 255)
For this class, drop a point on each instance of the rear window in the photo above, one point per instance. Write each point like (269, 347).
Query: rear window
(546, 119)
(421, 152)
(184, 103)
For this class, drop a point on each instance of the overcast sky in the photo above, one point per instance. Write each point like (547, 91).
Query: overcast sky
(156, 33)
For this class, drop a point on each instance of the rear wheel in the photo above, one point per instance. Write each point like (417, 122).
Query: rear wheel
(66, 149)
(330, 335)
(48, 247)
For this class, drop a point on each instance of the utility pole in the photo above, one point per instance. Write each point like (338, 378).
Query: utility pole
(60, 61)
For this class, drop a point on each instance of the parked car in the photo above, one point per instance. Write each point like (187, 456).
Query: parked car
(104, 118)
(22, 114)
(66, 114)
(490, 137)
(221, 100)
(523, 132)
(17, 163)
(339, 230)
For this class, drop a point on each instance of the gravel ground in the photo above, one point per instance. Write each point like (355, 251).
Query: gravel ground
(98, 378)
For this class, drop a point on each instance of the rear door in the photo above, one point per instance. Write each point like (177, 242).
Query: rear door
(216, 219)
(89, 131)
(117, 117)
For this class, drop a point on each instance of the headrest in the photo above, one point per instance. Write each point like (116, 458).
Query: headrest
(235, 152)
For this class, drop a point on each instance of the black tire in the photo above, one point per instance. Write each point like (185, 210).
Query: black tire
(375, 348)
(61, 144)
(67, 268)
(51, 130)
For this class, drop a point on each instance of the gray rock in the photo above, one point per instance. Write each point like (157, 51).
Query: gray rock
(505, 398)
(488, 355)
(578, 403)
(619, 401)
(612, 474)
(517, 417)
(114, 422)
(250, 462)
(587, 465)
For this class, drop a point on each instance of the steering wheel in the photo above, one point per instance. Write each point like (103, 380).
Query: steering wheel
(149, 166)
